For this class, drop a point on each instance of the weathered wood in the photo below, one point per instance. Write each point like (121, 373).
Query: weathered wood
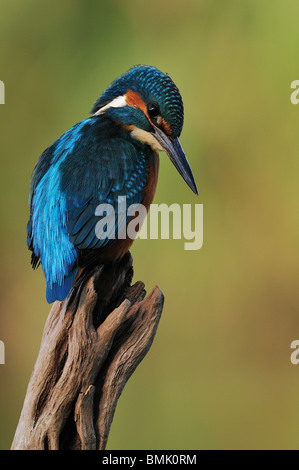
(91, 344)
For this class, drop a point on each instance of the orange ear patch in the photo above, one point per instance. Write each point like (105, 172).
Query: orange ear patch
(134, 100)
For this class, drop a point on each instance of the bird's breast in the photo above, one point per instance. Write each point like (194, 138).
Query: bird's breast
(151, 185)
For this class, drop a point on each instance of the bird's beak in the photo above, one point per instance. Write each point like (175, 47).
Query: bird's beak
(177, 155)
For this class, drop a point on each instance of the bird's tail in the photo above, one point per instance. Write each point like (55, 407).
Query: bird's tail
(59, 291)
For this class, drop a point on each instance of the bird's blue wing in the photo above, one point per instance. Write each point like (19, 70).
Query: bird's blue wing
(112, 173)
(47, 234)
(88, 166)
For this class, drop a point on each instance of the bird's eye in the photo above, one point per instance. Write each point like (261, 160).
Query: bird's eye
(153, 110)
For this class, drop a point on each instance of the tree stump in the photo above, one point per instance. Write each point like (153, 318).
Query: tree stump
(91, 344)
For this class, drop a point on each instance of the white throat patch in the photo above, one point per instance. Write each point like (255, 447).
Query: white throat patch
(146, 138)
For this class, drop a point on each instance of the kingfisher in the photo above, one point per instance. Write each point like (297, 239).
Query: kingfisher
(111, 154)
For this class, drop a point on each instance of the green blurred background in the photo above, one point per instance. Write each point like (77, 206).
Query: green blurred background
(218, 375)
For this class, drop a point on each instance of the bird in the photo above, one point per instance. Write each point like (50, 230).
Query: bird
(112, 153)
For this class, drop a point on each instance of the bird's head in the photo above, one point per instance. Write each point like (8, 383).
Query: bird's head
(146, 103)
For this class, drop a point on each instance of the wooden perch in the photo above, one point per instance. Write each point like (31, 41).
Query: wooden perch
(92, 343)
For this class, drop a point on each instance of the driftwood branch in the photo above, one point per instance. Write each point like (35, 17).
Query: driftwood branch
(92, 343)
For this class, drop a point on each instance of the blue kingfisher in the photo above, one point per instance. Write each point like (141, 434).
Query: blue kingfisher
(111, 154)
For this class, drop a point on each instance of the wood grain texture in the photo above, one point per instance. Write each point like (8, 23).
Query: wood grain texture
(91, 344)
